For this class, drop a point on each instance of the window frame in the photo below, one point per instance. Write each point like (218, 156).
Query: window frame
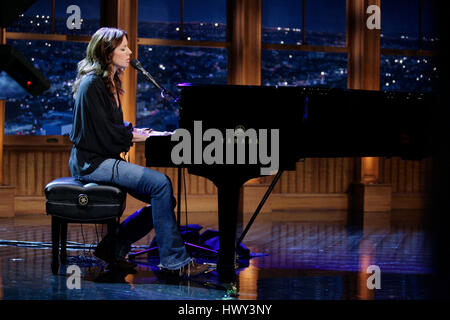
(304, 47)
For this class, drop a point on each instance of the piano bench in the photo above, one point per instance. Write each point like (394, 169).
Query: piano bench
(68, 200)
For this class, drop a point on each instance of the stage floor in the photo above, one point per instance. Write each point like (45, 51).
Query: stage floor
(297, 256)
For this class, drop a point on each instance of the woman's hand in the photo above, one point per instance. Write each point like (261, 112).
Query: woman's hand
(139, 137)
(142, 130)
(140, 134)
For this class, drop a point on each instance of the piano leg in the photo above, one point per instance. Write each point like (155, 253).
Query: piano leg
(228, 201)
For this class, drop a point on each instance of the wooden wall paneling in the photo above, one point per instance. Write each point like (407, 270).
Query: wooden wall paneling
(339, 170)
(58, 160)
(13, 169)
(55, 165)
(284, 182)
(292, 178)
(29, 169)
(30, 173)
(5, 168)
(348, 172)
(316, 175)
(21, 173)
(201, 185)
(401, 175)
(409, 168)
(381, 177)
(394, 174)
(269, 179)
(278, 188)
(331, 175)
(415, 176)
(388, 170)
(409, 175)
(323, 168)
(300, 176)
(193, 186)
(65, 171)
(47, 167)
(309, 174)
(210, 188)
(198, 185)
(204, 185)
(382, 168)
(40, 183)
(429, 168)
(188, 183)
(345, 173)
(423, 175)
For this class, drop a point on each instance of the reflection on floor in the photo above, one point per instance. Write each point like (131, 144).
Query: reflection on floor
(299, 256)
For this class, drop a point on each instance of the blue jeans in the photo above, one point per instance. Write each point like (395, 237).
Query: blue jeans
(151, 187)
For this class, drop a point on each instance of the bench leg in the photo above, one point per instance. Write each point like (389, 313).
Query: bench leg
(63, 231)
(55, 244)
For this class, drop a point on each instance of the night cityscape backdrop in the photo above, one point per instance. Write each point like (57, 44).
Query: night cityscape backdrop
(51, 112)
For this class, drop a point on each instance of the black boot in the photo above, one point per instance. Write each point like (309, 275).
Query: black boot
(106, 251)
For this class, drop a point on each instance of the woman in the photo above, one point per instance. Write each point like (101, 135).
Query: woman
(100, 136)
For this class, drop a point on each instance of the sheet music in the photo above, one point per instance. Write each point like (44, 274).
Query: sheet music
(152, 133)
(160, 133)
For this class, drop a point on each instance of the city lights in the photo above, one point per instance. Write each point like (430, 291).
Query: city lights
(58, 59)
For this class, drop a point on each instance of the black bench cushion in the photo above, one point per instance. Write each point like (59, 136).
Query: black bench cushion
(71, 199)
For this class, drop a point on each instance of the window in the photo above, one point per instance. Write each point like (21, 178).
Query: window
(291, 29)
(295, 68)
(415, 74)
(51, 112)
(38, 18)
(159, 19)
(184, 20)
(171, 62)
(304, 22)
(399, 24)
(205, 20)
(89, 12)
(430, 33)
(282, 22)
(171, 66)
(409, 25)
(325, 22)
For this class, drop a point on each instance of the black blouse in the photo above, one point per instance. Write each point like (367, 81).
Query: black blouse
(98, 130)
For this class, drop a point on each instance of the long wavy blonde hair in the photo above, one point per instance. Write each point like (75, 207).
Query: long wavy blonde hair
(98, 59)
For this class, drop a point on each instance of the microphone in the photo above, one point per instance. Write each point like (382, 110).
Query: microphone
(138, 66)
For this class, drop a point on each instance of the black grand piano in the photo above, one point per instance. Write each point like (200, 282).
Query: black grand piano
(309, 122)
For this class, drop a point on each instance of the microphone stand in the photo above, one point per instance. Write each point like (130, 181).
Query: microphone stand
(164, 91)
